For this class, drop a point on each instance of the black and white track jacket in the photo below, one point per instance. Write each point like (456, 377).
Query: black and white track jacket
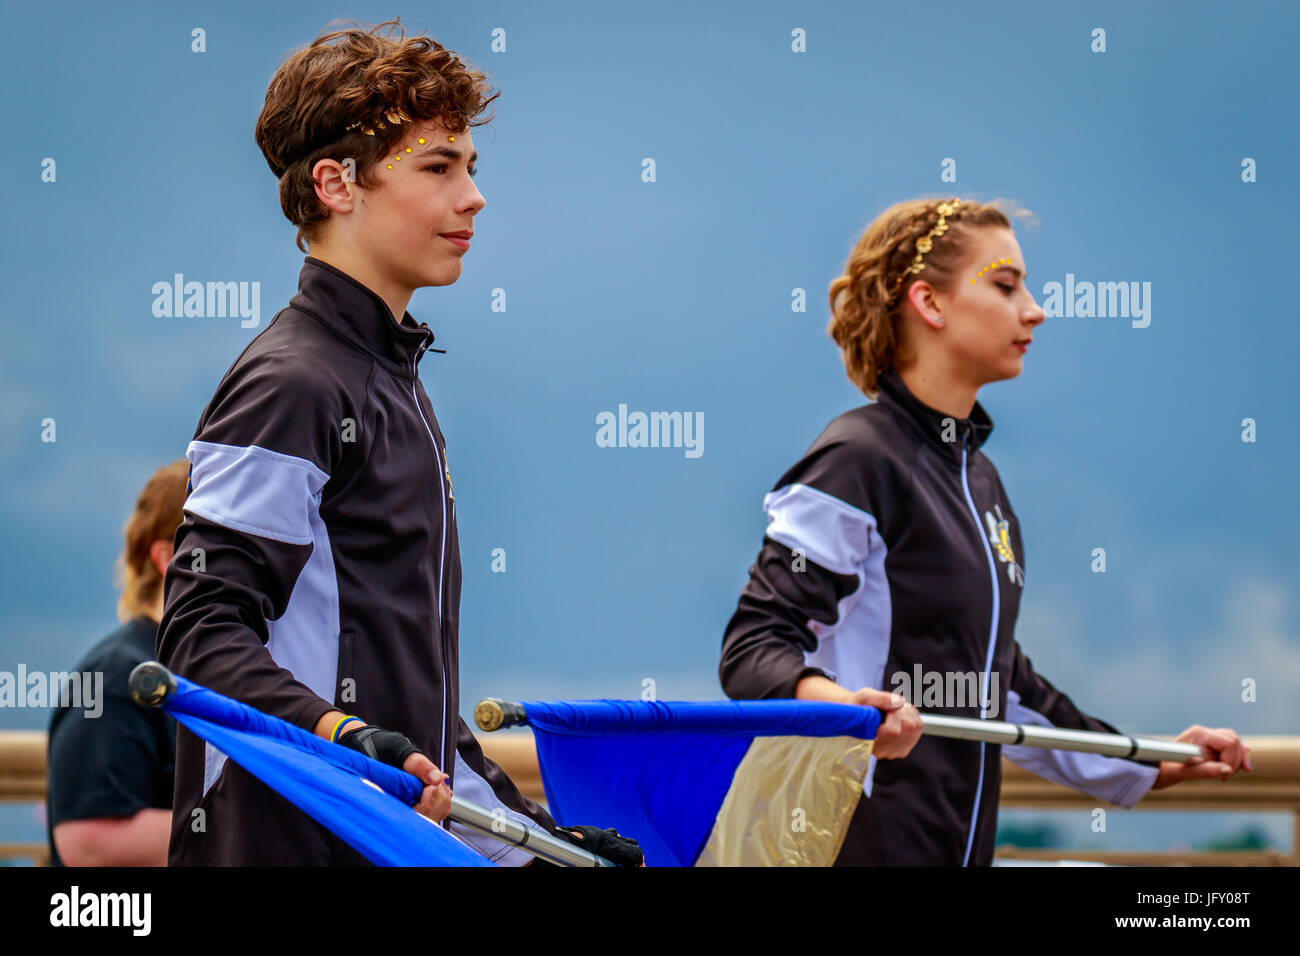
(892, 544)
(318, 564)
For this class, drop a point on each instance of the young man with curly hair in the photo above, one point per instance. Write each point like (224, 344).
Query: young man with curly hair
(317, 574)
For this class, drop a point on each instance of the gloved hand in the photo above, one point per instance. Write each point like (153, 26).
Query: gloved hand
(386, 746)
(621, 850)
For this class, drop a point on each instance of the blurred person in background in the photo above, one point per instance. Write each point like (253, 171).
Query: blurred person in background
(109, 795)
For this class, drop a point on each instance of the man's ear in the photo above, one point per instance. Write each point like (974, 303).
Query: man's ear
(334, 183)
(160, 553)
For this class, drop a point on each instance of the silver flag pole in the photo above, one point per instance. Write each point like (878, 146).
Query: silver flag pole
(537, 842)
(493, 713)
(1057, 738)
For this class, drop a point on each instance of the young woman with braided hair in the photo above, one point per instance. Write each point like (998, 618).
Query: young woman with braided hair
(892, 549)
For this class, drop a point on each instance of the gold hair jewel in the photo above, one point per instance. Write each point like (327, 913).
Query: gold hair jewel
(926, 242)
(396, 117)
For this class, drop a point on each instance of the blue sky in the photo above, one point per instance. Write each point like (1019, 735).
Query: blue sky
(624, 564)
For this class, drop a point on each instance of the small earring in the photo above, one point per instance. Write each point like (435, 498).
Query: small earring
(941, 323)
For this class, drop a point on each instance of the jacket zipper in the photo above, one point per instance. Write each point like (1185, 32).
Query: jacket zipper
(442, 560)
(988, 661)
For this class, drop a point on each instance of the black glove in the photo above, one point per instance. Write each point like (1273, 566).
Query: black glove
(386, 746)
(620, 850)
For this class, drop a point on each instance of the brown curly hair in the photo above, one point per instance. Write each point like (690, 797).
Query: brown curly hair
(865, 308)
(351, 76)
(158, 513)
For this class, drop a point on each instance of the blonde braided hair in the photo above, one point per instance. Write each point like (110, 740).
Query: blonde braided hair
(866, 299)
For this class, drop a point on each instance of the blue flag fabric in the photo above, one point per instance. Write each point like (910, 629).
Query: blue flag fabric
(367, 804)
(663, 772)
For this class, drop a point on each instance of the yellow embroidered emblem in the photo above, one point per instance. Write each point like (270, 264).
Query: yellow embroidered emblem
(1000, 539)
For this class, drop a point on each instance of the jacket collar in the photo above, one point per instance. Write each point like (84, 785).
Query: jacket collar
(972, 431)
(359, 315)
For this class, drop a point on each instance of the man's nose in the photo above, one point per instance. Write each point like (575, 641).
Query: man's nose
(474, 201)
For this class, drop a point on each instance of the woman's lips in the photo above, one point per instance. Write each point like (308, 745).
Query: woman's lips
(455, 240)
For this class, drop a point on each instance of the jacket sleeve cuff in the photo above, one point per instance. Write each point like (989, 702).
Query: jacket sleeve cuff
(1143, 780)
(311, 714)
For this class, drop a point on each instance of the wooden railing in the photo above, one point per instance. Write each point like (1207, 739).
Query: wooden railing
(1274, 786)
(22, 780)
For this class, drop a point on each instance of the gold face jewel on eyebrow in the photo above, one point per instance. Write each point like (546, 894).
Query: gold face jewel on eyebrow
(990, 267)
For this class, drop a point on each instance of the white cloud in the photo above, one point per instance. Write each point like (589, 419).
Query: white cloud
(1161, 682)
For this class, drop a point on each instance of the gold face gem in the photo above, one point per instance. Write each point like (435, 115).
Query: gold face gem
(991, 266)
